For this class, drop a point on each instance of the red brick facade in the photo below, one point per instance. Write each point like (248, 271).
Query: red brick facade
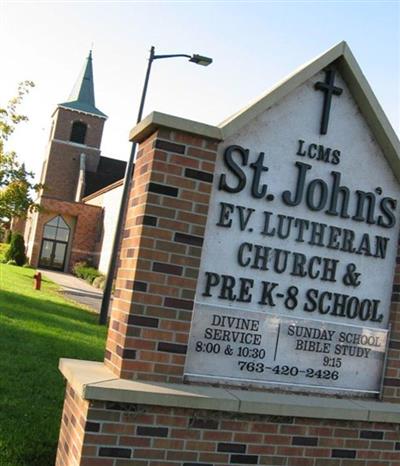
(85, 223)
(61, 169)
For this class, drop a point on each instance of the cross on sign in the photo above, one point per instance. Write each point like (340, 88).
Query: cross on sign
(329, 89)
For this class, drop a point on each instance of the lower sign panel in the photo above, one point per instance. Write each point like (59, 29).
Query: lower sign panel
(256, 348)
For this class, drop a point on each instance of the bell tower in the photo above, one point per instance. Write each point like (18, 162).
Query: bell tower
(75, 135)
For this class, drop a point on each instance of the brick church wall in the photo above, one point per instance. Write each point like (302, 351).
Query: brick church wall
(84, 221)
(65, 118)
(62, 172)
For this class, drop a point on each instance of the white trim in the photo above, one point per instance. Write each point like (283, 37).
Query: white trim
(75, 144)
(79, 111)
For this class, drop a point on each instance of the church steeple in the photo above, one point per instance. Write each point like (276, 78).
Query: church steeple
(82, 95)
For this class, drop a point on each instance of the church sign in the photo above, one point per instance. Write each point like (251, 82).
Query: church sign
(299, 251)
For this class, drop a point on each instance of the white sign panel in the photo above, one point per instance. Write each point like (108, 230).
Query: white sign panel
(301, 234)
(259, 348)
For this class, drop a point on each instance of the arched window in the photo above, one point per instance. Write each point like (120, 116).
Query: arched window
(56, 229)
(78, 132)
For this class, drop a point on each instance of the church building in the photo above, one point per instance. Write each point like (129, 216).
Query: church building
(82, 188)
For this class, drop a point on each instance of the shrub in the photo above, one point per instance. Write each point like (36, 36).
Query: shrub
(16, 251)
(88, 273)
(8, 236)
(99, 282)
(3, 250)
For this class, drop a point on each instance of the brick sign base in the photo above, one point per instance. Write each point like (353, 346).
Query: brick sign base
(122, 434)
(136, 408)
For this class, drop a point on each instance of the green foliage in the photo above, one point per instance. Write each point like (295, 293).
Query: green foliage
(3, 250)
(16, 185)
(16, 251)
(99, 282)
(8, 236)
(85, 271)
(37, 328)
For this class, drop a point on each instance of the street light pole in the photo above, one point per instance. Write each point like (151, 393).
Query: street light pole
(199, 60)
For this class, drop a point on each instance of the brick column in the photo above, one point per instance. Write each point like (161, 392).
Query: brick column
(160, 256)
(391, 385)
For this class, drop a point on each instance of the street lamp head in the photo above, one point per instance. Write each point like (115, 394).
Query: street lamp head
(200, 60)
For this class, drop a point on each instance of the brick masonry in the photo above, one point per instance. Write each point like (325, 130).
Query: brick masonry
(84, 221)
(61, 169)
(160, 257)
(118, 434)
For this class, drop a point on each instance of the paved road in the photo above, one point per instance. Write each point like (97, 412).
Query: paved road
(76, 289)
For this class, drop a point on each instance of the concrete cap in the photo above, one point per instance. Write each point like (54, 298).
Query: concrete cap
(94, 381)
(161, 120)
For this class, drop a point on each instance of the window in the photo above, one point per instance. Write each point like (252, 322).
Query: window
(56, 229)
(78, 132)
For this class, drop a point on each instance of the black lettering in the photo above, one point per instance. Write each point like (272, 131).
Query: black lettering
(298, 195)
(381, 246)
(258, 191)
(241, 252)
(317, 234)
(311, 272)
(329, 269)
(244, 219)
(266, 231)
(235, 169)
(317, 202)
(388, 205)
(224, 215)
(227, 285)
(312, 151)
(212, 279)
(266, 295)
(365, 246)
(246, 284)
(364, 197)
(299, 261)
(311, 296)
(279, 266)
(333, 242)
(336, 190)
(300, 150)
(335, 157)
(348, 240)
(261, 257)
(323, 154)
(301, 225)
(321, 308)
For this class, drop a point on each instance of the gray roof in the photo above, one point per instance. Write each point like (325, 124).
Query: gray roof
(82, 95)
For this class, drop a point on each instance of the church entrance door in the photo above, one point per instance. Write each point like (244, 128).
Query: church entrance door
(54, 244)
(53, 254)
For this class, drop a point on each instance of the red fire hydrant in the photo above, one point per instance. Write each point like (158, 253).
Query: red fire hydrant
(38, 280)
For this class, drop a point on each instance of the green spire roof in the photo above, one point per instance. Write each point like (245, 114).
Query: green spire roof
(82, 95)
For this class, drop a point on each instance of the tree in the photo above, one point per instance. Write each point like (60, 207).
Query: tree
(16, 183)
(16, 251)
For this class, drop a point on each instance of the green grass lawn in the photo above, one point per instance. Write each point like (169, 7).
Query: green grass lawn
(36, 329)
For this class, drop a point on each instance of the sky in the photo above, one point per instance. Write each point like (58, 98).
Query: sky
(254, 44)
